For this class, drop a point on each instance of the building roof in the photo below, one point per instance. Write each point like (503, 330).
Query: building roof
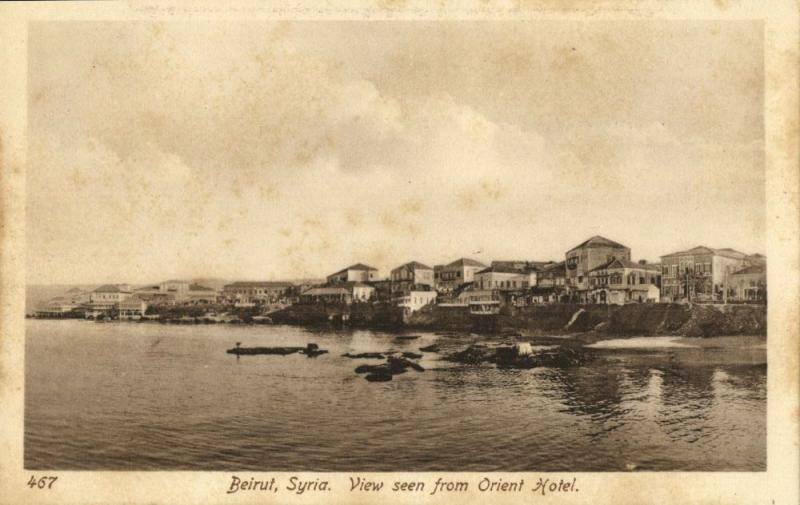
(701, 249)
(752, 269)
(358, 266)
(561, 266)
(598, 241)
(198, 287)
(175, 281)
(108, 288)
(258, 284)
(416, 265)
(465, 262)
(326, 291)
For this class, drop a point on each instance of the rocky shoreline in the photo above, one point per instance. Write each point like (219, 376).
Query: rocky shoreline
(591, 321)
(689, 320)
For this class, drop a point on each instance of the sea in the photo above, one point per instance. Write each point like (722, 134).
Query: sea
(150, 396)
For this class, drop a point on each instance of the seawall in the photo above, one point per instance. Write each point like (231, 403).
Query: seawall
(635, 319)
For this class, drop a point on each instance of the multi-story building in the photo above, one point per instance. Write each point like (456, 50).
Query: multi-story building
(411, 275)
(749, 284)
(154, 295)
(257, 291)
(413, 300)
(588, 255)
(505, 278)
(176, 288)
(58, 307)
(700, 274)
(450, 277)
(109, 295)
(553, 275)
(344, 292)
(132, 308)
(200, 294)
(621, 281)
(354, 273)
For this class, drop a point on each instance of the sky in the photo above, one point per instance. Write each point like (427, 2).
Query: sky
(292, 149)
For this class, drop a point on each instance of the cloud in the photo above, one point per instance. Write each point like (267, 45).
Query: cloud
(249, 151)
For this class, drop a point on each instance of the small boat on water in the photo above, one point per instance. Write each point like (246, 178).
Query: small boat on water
(310, 350)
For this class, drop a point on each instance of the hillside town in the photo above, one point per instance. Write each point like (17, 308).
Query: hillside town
(596, 271)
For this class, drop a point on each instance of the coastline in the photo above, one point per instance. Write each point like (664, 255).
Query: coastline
(585, 323)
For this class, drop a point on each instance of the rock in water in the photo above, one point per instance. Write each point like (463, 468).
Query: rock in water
(411, 355)
(401, 364)
(378, 377)
(430, 348)
(407, 337)
(364, 355)
(473, 355)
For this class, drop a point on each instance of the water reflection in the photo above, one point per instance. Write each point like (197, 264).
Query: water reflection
(155, 397)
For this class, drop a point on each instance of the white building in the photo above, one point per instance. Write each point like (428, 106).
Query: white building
(176, 288)
(109, 295)
(450, 277)
(504, 278)
(132, 308)
(412, 301)
(354, 273)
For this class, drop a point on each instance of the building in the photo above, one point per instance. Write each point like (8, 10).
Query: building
(448, 278)
(200, 294)
(176, 288)
(477, 295)
(326, 295)
(349, 292)
(523, 265)
(109, 295)
(154, 295)
(588, 255)
(748, 284)
(700, 274)
(537, 295)
(252, 292)
(412, 301)
(553, 275)
(354, 273)
(132, 308)
(59, 307)
(505, 278)
(410, 276)
(622, 281)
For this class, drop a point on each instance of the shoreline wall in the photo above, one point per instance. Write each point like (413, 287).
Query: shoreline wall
(634, 319)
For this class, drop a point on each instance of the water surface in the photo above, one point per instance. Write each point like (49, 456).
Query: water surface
(145, 396)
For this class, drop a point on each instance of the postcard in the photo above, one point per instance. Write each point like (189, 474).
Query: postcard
(399, 252)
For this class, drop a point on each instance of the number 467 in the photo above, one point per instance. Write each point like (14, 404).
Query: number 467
(42, 482)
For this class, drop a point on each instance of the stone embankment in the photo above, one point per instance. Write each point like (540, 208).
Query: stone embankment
(692, 320)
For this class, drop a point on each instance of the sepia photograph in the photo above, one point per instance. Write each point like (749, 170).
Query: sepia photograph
(314, 245)
(329, 250)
